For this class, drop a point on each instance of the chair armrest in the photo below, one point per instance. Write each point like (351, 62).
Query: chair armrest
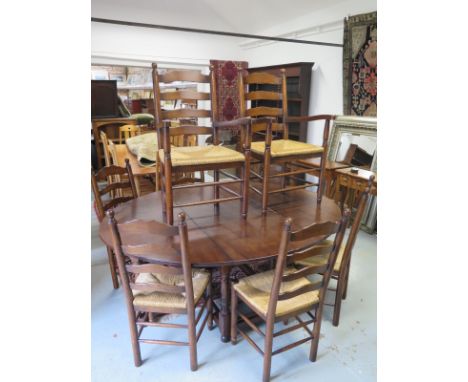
(308, 118)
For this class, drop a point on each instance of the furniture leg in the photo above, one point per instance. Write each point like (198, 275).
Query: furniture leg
(245, 185)
(233, 317)
(268, 349)
(316, 334)
(216, 190)
(134, 338)
(266, 178)
(168, 193)
(321, 178)
(113, 270)
(209, 292)
(192, 337)
(338, 298)
(224, 311)
(137, 185)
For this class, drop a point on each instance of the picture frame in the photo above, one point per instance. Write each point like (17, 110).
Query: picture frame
(355, 126)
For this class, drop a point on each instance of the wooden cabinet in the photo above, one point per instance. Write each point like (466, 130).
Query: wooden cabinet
(104, 103)
(298, 79)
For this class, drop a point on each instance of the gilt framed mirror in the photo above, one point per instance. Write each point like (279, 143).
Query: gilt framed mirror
(353, 140)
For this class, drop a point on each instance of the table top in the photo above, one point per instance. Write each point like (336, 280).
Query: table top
(122, 153)
(227, 239)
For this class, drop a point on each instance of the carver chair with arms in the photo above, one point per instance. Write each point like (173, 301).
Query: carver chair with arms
(286, 292)
(192, 159)
(268, 97)
(170, 288)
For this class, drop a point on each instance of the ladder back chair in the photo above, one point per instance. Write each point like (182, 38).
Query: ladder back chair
(268, 97)
(109, 196)
(285, 292)
(191, 159)
(151, 289)
(343, 261)
(128, 131)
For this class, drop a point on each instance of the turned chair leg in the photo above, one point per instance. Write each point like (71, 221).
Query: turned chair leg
(113, 268)
(316, 335)
(266, 178)
(338, 298)
(321, 178)
(134, 338)
(268, 349)
(209, 292)
(216, 190)
(192, 341)
(233, 316)
(245, 186)
(168, 195)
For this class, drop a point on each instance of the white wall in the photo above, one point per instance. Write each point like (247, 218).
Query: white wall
(325, 25)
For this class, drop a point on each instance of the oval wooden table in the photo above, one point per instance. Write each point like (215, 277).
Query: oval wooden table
(226, 239)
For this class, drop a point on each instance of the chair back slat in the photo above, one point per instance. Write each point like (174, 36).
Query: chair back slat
(114, 186)
(314, 230)
(263, 95)
(167, 251)
(189, 95)
(156, 287)
(262, 78)
(188, 130)
(184, 75)
(303, 272)
(320, 249)
(297, 292)
(262, 111)
(116, 201)
(111, 170)
(153, 268)
(257, 127)
(185, 113)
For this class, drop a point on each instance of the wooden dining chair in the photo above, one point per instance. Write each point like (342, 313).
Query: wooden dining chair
(343, 261)
(215, 157)
(173, 288)
(111, 195)
(128, 131)
(268, 97)
(285, 292)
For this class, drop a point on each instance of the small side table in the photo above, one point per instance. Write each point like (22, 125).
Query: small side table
(354, 182)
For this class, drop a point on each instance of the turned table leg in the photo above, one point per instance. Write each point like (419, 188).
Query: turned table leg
(224, 317)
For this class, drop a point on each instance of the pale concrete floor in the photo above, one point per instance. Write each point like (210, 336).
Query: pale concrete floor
(346, 353)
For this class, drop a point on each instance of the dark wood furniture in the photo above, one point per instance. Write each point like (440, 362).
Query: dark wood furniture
(111, 195)
(111, 127)
(283, 152)
(286, 292)
(343, 262)
(225, 240)
(151, 289)
(298, 85)
(176, 160)
(104, 99)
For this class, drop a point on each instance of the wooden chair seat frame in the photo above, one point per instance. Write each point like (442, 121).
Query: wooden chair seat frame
(168, 170)
(291, 169)
(314, 235)
(141, 317)
(116, 190)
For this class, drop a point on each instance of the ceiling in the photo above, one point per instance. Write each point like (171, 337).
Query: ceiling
(241, 16)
